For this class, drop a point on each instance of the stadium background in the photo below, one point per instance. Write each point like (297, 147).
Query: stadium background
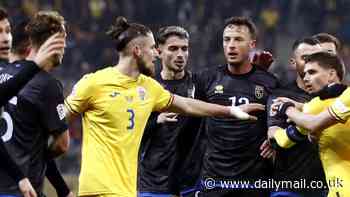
(279, 23)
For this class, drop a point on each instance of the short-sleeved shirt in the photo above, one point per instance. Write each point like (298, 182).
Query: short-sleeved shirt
(115, 109)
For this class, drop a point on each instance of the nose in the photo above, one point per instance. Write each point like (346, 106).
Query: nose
(306, 77)
(180, 54)
(232, 44)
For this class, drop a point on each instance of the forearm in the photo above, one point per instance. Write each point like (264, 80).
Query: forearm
(56, 179)
(199, 108)
(59, 145)
(313, 123)
(301, 119)
(12, 86)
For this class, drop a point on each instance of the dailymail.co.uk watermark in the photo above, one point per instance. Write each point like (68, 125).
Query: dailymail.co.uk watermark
(272, 184)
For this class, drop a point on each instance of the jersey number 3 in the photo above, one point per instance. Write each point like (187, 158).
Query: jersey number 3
(131, 119)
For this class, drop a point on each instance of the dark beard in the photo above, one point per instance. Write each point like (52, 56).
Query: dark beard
(143, 68)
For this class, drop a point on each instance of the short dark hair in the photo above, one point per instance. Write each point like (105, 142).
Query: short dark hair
(243, 21)
(325, 37)
(122, 32)
(20, 41)
(307, 40)
(3, 14)
(43, 25)
(328, 61)
(165, 32)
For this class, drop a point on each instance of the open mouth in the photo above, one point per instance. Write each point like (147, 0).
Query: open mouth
(5, 49)
(232, 54)
(308, 87)
(179, 63)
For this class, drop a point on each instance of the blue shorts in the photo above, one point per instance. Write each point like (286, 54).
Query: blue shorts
(2, 195)
(285, 194)
(299, 194)
(194, 192)
(151, 194)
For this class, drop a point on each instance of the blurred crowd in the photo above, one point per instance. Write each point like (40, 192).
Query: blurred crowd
(279, 23)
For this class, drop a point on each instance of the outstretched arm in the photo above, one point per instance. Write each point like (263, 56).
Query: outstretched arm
(199, 108)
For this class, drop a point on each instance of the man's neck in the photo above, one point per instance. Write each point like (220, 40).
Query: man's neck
(240, 69)
(167, 74)
(128, 66)
(16, 57)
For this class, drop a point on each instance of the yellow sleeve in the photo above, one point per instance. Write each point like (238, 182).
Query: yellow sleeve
(282, 139)
(163, 98)
(79, 99)
(340, 109)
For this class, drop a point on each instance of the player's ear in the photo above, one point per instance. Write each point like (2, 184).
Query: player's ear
(136, 51)
(333, 76)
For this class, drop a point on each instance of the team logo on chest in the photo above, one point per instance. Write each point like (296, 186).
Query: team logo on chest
(219, 89)
(114, 94)
(259, 91)
(141, 91)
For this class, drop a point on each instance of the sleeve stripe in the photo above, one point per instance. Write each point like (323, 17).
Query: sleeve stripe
(282, 139)
(334, 115)
(170, 102)
(70, 108)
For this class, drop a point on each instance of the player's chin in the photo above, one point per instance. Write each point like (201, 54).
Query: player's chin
(234, 61)
(4, 55)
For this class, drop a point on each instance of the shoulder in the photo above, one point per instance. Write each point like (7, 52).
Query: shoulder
(101, 74)
(95, 78)
(265, 78)
(149, 81)
(47, 83)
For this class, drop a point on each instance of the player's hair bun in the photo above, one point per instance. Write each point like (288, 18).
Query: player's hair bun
(120, 25)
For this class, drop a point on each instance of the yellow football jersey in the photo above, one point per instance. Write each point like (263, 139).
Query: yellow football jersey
(340, 109)
(334, 145)
(115, 109)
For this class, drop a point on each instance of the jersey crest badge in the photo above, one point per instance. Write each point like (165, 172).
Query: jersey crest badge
(219, 89)
(61, 111)
(259, 92)
(142, 93)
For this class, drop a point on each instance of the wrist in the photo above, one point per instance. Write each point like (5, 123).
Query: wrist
(238, 113)
(282, 111)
